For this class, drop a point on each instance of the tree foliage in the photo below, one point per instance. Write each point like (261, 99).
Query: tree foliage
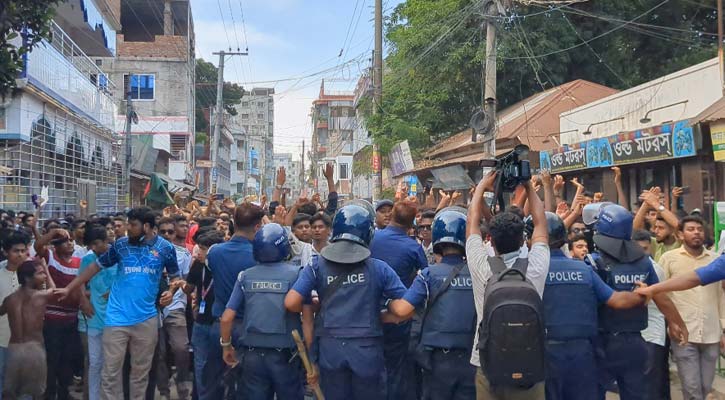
(432, 82)
(206, 81)
(31, 18)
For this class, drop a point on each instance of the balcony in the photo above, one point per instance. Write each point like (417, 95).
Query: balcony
(321, 124)
(61, 70)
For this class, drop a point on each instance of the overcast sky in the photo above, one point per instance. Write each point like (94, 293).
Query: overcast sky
(289, 40)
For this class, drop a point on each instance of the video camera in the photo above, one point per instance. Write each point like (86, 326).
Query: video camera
(513, 170)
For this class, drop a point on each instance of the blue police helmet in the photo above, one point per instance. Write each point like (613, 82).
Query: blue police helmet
(449, 226)
(615, 222)
(352, 230)
(364, 204)
(557, 230)
(271, 244)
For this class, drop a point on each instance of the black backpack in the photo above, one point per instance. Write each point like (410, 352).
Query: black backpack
(512, 331)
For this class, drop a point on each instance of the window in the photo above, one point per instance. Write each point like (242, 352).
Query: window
(240, 187)
(142, 86)
(245, 104)
(240, 166)
(260, 115)
(343, 172)
(2, 118)
(260, 104)
(245, 116)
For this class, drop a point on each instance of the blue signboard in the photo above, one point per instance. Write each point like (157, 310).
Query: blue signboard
(673, 140)
(253, 162)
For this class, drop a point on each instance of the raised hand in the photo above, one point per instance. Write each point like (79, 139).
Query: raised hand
(677, 192)
(598, 196)
(558, 183)
(617, 175)
(456, 195)
(545, 177)
(329, 169)
(575, 181)
(651, 198)
(281, 176)
(562, 209)
(444, 195)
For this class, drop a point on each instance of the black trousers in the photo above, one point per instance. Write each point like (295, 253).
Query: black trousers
(657, 372)
(62, 344)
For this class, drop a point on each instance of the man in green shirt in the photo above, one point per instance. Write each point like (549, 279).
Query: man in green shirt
(665, 226)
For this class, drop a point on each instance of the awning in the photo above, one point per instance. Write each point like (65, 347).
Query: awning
(715, 112)
(468, 159)
(174, 185)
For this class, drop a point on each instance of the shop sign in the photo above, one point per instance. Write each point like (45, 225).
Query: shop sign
(717, 132)
(661, 142)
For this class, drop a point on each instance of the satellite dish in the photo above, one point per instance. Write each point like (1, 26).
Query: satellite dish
(482, 124)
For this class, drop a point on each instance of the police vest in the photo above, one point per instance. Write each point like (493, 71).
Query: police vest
(266, 322)
(622, 277)
(353, 310)
(451, 321)
(570, 305)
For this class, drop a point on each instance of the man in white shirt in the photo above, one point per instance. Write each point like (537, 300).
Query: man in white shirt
(15, 245)
(507, 235)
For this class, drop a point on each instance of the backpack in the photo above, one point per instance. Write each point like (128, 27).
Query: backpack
(512, 331)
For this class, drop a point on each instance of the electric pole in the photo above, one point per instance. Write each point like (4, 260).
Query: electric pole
(378, 95)
(495, 8)
(302, 172)
(219, 117)
(127, 141)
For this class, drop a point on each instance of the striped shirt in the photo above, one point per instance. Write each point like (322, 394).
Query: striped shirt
(62, 272)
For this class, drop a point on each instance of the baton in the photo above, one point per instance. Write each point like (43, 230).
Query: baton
(306, 362)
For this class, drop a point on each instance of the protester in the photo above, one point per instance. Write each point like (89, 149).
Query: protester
(320, 224)
(664, 225)
(26, 308)
(383, 212)
(578, 247)
(703, 308)
(424, 235)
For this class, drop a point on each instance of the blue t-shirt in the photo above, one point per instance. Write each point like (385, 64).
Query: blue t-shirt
(400, 251)
(226, 260)
(713, 272)
(99, 287)
(133, 294)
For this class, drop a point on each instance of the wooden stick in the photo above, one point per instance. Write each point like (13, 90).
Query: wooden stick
(306, 362)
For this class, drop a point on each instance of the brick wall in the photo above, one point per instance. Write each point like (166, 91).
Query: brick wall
(162, 47)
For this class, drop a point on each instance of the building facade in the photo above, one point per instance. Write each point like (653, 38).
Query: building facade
(156, 57)
(333, 123)
(363, 186)
(253, 131)
(293, 172)
(57, 129)
(650, 131)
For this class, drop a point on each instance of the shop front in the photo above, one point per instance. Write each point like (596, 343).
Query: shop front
(667, 155)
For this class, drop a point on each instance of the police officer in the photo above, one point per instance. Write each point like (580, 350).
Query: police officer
(572, 294)
(621, 263)
(351, 286)
(449, 320)
(270, 365)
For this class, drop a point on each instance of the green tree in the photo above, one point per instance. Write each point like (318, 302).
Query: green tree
(433, 72)
(31, 18)
(206, 81)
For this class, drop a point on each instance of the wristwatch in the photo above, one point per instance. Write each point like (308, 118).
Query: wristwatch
(661, 208)
(225, 344)
(278, 187)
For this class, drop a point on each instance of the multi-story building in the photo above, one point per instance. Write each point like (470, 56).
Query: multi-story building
(363, 185)
(333, 123)
(57, 129)
(293, 172)
(253, 131)
(155, 56)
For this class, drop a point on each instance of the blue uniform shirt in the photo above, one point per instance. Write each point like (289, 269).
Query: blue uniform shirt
(713, 272)
(423, 285)
(133, 294)
(601, 291)
(651, 278)
(385, 280)
(400, 251)
(226, 260)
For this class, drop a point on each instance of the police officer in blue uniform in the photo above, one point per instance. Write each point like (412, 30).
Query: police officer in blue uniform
(571, 296)
(270, 366)
(449, 321)
(351, 286)
(621, 351)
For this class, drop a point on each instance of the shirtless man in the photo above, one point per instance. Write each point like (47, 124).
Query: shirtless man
(26, 365)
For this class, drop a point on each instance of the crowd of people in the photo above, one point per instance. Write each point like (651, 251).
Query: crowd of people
(459, 299)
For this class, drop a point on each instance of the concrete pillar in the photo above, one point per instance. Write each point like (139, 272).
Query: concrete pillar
(168, 19)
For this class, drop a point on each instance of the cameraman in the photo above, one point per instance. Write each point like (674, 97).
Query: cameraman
(507, 235)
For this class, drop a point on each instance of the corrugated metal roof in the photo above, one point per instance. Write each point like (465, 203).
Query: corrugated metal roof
(715, 112)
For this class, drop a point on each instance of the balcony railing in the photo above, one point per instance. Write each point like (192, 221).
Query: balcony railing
(62, 70)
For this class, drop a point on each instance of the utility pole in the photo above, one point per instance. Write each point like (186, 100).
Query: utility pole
(719, 45)
(489, 79)
(127, 141)
(378, 95)
(219, 117)
(302, 172)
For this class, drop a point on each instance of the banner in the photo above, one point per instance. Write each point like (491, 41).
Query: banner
(401, 161)
(673, 140)
(717, 133)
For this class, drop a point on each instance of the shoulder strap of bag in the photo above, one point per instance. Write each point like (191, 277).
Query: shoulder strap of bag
(496, 264)
(337, 281)
(521, 264)
(435, 295)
